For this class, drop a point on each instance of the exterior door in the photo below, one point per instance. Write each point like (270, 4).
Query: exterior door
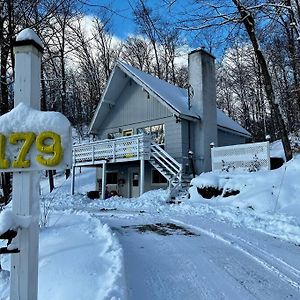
(134, 180)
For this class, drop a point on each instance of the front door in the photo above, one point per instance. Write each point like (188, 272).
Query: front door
(134, 180)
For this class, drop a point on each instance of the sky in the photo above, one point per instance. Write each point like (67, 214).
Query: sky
(123, 22)
(122, 11)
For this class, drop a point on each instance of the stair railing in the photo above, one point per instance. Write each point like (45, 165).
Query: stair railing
(166, 162)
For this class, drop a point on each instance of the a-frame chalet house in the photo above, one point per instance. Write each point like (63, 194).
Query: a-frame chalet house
(151, 134)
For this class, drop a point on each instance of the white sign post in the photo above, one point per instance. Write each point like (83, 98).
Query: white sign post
(24, 265)
(30, 141)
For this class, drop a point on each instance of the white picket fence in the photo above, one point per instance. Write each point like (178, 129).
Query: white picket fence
(246, 157)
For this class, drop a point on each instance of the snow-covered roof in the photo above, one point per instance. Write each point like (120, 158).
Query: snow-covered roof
(174, 97)
(177, 98)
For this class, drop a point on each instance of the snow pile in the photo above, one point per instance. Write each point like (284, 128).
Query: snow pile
(262, 191)
(80, 258)
(276, 149)
(24, 118)
(206, 180)
(9, 221)
(152, 201)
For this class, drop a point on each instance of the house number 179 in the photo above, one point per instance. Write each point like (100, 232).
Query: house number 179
(47, 142)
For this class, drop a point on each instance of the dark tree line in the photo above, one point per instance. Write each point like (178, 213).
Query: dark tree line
(257, 42)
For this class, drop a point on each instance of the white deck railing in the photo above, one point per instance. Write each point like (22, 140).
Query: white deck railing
(121, 149)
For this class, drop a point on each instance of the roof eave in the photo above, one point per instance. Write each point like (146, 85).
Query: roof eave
(235, 131)
(90, 131)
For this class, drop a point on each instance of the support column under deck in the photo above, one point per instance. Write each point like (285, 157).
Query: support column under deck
(142, 176)
(73, 181)
(103, 188)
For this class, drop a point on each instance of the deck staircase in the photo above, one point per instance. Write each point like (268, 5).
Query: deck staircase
(171, 169)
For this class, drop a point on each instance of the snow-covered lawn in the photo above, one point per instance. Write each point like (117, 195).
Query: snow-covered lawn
(240, 247)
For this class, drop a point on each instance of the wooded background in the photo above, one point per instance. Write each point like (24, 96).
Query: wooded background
(256, 43)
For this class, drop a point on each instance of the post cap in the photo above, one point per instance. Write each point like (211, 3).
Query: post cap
(28, 37)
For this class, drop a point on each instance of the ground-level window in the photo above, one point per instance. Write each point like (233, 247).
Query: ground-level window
(157, 177)
(157, 133)
(112, 178)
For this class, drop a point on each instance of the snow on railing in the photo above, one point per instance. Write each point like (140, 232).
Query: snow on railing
(133, 147)
(248, 157)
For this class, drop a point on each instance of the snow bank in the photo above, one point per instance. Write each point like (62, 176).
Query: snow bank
(262, 191)
(152, 201)
(80, 258)
(268, 200)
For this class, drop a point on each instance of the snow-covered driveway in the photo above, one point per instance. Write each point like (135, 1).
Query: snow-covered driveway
(195, 257)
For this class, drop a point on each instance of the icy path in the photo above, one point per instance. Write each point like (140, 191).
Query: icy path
(217, 262)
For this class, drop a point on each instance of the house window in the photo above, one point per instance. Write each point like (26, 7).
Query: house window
(112, 178)
(158, 178)
(128, 132)
(157, 133)
(114, 135)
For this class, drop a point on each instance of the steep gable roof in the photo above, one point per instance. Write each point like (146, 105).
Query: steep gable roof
(174, 97)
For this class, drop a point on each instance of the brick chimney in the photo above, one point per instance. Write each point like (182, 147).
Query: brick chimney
(202, 81)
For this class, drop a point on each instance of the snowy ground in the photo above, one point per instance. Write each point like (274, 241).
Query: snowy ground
(201, 249)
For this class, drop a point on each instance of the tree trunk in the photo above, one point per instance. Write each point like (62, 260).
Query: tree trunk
(249, 24)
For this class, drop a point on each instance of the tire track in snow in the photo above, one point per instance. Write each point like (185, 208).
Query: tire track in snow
(267, 256)
(261, 261)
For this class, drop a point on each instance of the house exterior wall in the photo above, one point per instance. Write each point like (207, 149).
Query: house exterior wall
(226, 138)
(124, 172)
(134, 110)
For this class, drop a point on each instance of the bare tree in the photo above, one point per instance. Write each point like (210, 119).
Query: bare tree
(249, 22)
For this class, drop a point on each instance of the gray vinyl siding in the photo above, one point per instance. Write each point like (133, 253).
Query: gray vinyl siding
(226, 138)
(185, 139)
(123, 173)
(173, 143)
(134, 110)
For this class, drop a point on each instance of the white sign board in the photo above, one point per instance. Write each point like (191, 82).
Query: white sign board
(246, 157)
(32, 140)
